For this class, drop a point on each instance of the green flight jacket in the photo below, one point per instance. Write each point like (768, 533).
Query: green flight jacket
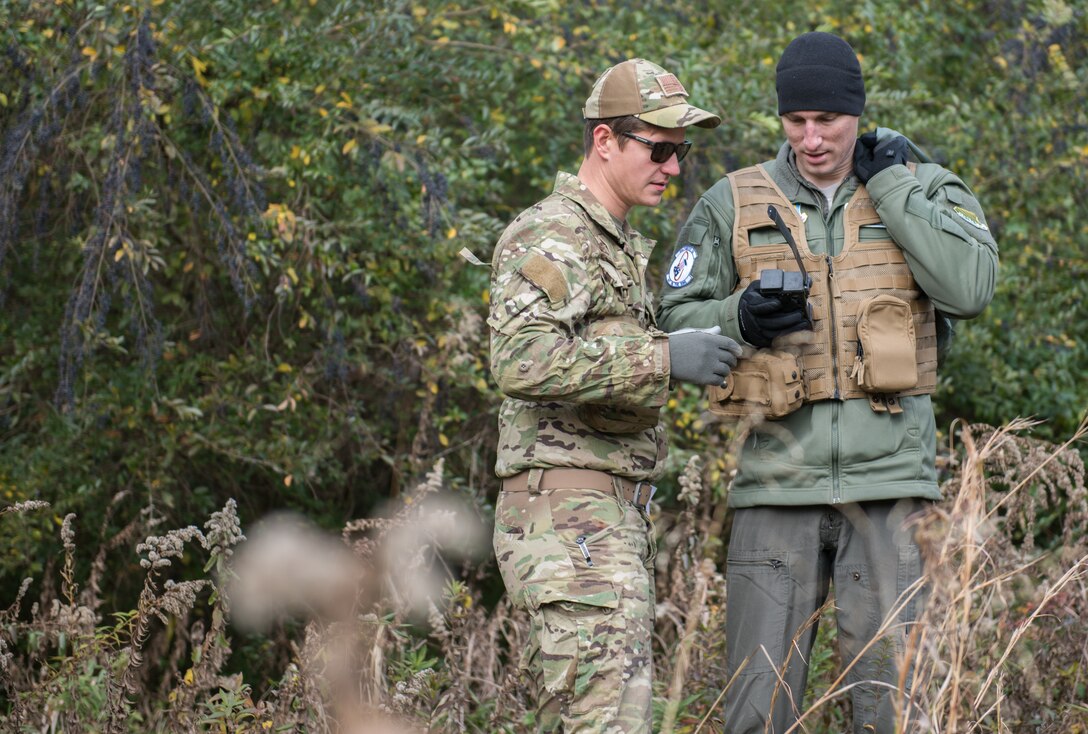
(836, 451)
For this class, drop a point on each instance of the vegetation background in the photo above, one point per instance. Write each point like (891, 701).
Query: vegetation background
(230, 284)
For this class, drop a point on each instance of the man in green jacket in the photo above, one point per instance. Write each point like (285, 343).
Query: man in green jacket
(585, 370)
(834, 384)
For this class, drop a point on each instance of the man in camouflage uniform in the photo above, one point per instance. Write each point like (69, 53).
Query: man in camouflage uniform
(575, 349)
(840, 449)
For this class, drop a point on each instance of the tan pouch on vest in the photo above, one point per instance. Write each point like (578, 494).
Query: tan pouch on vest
(886, 359)
(610, 418)
(768, 384)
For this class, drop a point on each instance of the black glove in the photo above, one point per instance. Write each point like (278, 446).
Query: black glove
(872, 154)
(762, 318)
(702, 356)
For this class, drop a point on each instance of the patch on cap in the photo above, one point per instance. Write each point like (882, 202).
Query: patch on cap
(670, 85)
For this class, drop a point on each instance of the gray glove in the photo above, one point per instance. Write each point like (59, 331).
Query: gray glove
(702, 356)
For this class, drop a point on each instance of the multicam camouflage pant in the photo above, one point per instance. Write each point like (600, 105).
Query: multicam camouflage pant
(782, 561)
(589, 655)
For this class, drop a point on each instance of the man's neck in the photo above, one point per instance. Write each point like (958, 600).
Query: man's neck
(593, 178)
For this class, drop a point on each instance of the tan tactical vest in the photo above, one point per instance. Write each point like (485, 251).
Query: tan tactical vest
(869, 278)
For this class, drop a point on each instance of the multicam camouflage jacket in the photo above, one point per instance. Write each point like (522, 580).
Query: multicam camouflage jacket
(574, 342)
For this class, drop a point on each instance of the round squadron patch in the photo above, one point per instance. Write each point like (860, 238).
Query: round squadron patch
(970, 217)
(683, 263)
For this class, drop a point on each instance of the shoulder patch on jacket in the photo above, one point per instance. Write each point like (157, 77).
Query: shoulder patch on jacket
(970, 217)
(545, 274)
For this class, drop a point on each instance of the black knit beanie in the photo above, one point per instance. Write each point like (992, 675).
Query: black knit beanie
(819, 72)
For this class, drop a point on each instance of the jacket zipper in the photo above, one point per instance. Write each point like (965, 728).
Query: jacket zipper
(831, 322)
(836, 482)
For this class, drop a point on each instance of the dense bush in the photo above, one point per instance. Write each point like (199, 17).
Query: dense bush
(229, 238)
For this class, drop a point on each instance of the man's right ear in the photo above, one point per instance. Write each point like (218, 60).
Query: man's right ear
(604, 141)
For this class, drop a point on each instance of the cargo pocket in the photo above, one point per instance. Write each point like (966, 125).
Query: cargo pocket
(757, 587)
(909, 571)
(582, 650)
(537, 549)
(886, 359)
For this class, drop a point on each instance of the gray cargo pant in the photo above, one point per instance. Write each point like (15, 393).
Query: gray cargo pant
(781, 562)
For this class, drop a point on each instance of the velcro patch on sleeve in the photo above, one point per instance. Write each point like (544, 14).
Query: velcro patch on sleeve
(545, 274)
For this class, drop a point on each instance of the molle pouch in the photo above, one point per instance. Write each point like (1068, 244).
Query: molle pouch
(767, 384)
(608, 418)
(886, 360)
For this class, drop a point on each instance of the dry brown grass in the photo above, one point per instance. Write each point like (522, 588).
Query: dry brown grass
(394, 637)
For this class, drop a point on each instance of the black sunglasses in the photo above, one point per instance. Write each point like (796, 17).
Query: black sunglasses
(662, 151)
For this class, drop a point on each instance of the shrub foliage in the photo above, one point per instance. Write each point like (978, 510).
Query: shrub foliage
(229, 273)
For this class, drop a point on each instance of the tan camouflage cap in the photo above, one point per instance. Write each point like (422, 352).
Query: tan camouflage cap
(644, 90)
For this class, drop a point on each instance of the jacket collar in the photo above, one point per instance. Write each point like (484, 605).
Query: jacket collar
(570, 187)
(792, 183)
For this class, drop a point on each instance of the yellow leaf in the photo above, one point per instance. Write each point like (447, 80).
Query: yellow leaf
(536, 63)
(451, 233)
(558, 43)
(322, 111)
(349, 146)
(419, 140)
(199, 67)
(295, 152)
(48, 33)
(288, 480)
(90, 53)
(283, 367)
(120, 254)
(3, 99)
(305, 159)
(486, 296)
(252, 236)
(189, 677)
(284, 79)
(442, 439)
(376, 128)
(433, 387)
